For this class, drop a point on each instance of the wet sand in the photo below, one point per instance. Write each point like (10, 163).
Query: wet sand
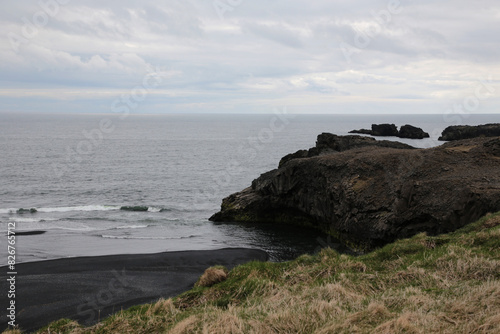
(87, 289)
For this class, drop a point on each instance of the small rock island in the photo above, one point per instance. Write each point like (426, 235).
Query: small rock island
(390, 130)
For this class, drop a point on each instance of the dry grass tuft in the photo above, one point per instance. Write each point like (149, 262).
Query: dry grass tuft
(185, 326)
(224, 322)
(164, 307)
(491, 325)
(212, 276)
(406, 323)
(462, 264)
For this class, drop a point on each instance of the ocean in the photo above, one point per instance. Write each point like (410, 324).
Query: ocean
(79, 170)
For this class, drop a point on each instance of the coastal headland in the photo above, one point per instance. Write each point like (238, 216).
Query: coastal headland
(368, 193)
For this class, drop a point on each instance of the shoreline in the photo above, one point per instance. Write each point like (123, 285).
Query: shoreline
(88, 289)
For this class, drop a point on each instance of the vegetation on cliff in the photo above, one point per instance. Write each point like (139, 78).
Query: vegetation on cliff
(426, 284)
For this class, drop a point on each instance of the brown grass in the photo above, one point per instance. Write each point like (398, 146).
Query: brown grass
(212, 276)
(463, 148)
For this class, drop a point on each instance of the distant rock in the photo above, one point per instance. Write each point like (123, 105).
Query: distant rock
(457, 132)
(134, 208)
(30, 233)
(390, 130)
(32, 210)
(368, 195)
(362, 132)
(384, 130)
(412, 132)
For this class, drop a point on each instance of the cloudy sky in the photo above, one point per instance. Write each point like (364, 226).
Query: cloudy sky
(250, 56)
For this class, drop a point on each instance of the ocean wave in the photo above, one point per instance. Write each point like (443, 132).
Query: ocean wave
(146, 238)
(4, 211)
(81, 208)
(86, 219)
(58, 228)
(155, 209)
(79, 229)
(31, 220)
(24, 220)
(89, 208)
(144, 208)
(66, 209)
(129, 227)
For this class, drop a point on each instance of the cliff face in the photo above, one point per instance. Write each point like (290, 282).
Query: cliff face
(371, 195)
(458, 132)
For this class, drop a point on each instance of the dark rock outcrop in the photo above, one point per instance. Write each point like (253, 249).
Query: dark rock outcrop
(387, 130)
(412, 132)
(30, 233)
(382, 130)
(32, 210)
(458, 132)
(329, 143)
(370, 195)
(135, 208)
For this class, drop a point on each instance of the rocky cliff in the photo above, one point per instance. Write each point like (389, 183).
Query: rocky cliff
(369, 195)
(458, 132)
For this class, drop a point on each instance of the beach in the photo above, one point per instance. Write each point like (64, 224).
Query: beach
(88, 289)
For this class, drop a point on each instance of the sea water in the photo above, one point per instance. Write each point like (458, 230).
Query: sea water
(79, 170)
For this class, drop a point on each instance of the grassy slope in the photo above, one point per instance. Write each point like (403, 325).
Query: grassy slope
(444, 284)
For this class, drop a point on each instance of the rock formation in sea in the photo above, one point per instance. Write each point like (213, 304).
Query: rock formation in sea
(458, 132)
(134, 208)
(412, 132)
(368, 193)
(32, 210)
(390, 130)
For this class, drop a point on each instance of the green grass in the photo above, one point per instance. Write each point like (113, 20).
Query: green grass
(442, 284)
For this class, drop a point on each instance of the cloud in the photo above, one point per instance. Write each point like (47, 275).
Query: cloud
(279, 33)
(256, 55)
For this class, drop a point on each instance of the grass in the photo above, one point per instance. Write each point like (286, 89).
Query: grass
(212, 276)
(443, 284)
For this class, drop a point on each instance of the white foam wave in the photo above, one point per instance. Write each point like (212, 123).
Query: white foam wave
(169, 219)
(129, 227)
(67, 209)
(154, 209)
(24, 220)
(80, 208)
(31, 220)
(145, 238)
(57, 228)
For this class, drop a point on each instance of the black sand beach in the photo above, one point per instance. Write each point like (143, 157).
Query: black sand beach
(87, 289)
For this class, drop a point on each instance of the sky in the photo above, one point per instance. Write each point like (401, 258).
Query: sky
(250, 56)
